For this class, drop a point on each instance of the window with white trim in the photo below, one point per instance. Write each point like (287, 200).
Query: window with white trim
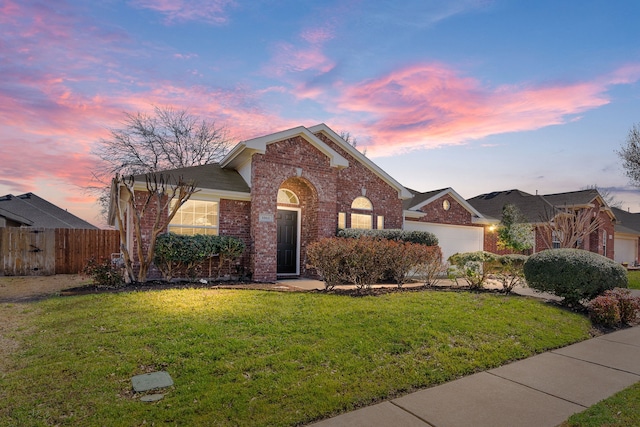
(604, 242)
(555, 239)
(342, 220)
(363, 219)
(380, 224)
(195, 217)
(287, 197)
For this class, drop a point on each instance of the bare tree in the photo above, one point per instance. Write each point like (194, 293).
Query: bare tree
(568, 228)
(167, 139)
(351, 140)
(162, 194)
(630, 155)
(607, 195)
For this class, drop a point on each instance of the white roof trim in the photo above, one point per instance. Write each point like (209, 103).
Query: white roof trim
(403, 193)
(245, 149)
(453, 194)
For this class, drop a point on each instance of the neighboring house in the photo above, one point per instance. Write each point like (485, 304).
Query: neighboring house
(538, 208)
(458, 226)
(282, 191)
(627, 236)
(29, 210)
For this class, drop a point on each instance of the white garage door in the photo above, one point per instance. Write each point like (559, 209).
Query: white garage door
(451, 238)
(625, 250)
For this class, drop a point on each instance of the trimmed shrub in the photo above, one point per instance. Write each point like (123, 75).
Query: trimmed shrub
(366, 260)
(421, 237)
(628, 305)
(229, 250)
(104, 273)
(327, 256)
(402, 257)
(356, 261)
(573, 274)
(604, 310)
(473, 267)
(431, 269)
(509, 270)
(177, 254)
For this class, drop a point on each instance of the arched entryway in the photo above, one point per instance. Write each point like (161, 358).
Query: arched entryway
(296, 218)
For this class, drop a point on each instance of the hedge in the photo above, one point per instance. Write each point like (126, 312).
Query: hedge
(420, 237)
(366, 260)
(177, 254)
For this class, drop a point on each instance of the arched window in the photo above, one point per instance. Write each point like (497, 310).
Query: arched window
(362, 202)
(287, 197)
(362, 220)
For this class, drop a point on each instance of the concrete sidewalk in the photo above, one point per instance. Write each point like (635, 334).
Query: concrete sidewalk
(543, 390)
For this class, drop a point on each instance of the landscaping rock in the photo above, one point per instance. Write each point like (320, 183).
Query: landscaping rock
(151, 397)
(150, 381)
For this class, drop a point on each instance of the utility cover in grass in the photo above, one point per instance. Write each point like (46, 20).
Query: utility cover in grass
(144, 382)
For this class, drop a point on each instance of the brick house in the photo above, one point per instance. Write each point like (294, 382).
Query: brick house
(537, 208)
(458, 226)
(626, 237)
(282, 191)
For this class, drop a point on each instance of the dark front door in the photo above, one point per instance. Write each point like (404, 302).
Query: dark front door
(287, 241)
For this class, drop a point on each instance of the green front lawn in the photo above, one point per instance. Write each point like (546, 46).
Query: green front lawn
(634, 279)
(620, 410)
(256, 357)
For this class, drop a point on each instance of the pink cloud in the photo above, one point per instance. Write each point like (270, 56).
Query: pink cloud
(288, 59)
(431, 105)
(317, 35)
(209, 11)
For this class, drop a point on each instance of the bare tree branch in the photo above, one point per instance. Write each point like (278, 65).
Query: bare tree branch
(167, 139)
(156, 202)
(569, 227)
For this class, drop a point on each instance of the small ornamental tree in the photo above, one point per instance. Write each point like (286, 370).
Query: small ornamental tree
(473, 267)
(509, 270)
(154, 201)
(514, 232)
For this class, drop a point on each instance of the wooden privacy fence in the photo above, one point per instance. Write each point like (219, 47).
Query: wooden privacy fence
(46, 251)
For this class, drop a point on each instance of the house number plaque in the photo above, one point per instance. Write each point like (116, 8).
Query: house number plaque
(265, 217)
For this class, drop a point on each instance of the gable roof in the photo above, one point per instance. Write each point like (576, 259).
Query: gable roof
(535, 208)
(422, 199)
(627, 222)
(243, 151)
(403, 193)
(39, 213)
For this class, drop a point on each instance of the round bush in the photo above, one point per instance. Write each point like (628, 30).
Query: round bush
(573, 274)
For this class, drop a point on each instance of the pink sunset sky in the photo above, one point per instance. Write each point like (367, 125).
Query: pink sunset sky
(476, 95)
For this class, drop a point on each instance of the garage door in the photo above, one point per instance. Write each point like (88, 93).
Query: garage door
(451, 238)
(625, 250)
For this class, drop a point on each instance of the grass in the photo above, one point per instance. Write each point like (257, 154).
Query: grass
(259, 358)
(620, 410)
(634, 279)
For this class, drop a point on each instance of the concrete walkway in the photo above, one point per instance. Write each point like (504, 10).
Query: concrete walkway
(543, 390)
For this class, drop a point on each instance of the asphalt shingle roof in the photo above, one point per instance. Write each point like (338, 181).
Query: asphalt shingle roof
(533, 208)
(627, 222)
(210, 176)
(41, 213)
